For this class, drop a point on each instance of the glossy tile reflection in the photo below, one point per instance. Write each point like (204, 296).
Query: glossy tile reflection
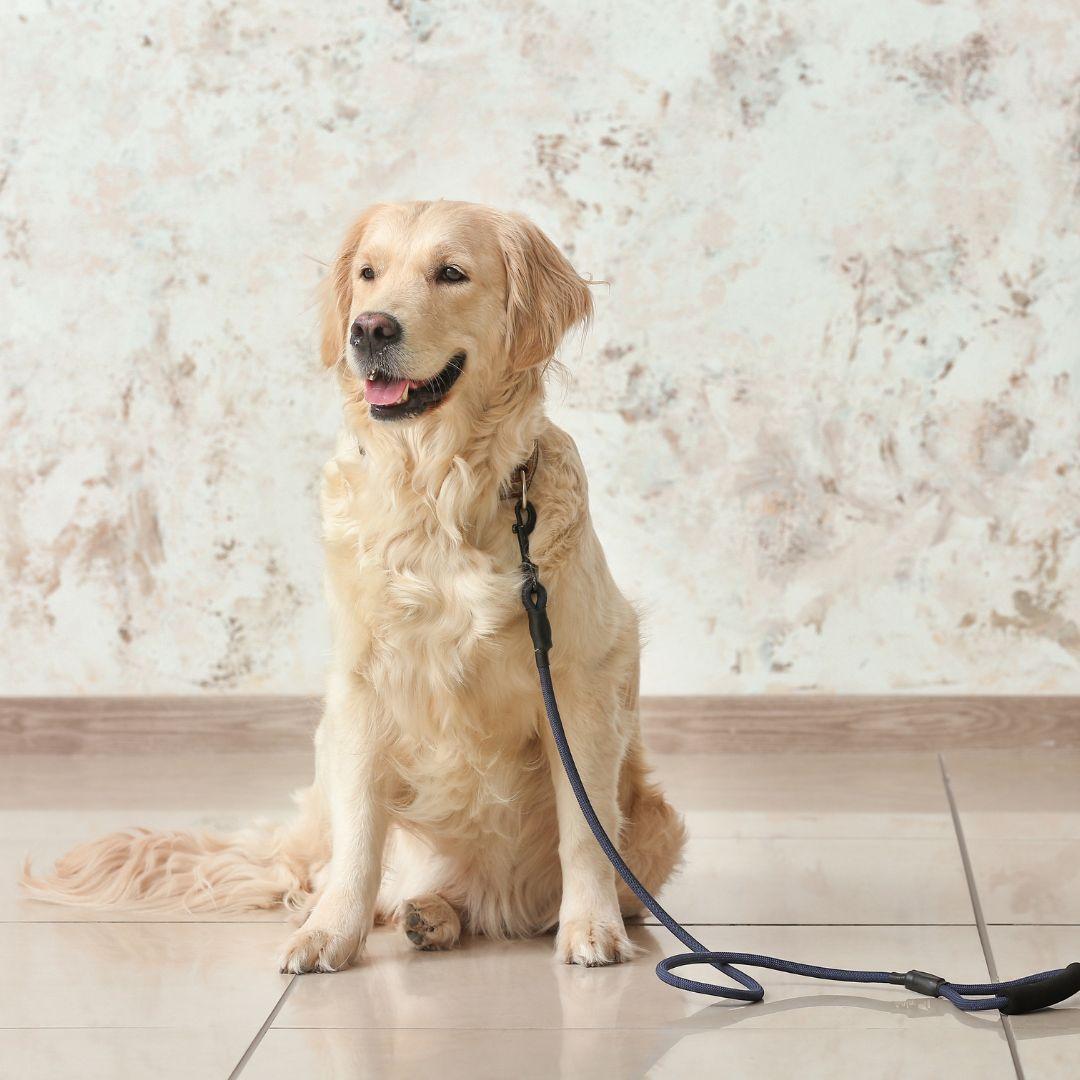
(483, 984)
(853, 859)
(667, 1053)
(1048, 1041)
(820, 880)
(1021, 817)
(117, 1053)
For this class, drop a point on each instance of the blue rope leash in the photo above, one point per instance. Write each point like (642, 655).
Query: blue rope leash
(1014, 996)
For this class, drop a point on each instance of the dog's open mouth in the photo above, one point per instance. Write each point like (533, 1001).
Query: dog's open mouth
(394, 399)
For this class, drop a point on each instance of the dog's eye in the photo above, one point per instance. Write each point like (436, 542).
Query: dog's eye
(367, 273)
(452, 274)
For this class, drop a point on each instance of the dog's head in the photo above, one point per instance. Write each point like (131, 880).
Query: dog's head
(429, 303)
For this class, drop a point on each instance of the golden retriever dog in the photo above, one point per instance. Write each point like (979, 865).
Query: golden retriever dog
(439, 800)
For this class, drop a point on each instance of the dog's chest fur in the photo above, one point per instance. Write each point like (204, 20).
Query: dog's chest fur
(430, 621)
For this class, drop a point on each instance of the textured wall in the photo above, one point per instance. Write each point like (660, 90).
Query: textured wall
(829, 403)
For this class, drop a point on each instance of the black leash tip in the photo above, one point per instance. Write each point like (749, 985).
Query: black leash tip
(1042, 993)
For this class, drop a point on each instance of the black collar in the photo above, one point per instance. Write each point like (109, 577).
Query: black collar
(511, 487)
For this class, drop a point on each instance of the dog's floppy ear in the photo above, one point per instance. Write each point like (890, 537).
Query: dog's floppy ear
(337, 292)
(545, 296)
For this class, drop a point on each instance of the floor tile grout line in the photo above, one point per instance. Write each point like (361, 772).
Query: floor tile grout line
(139, 922)
(254, 1044)
(650, 923)
(142, 922)
(854, 925)
(977, 908)
(812, 925)
(969, 873)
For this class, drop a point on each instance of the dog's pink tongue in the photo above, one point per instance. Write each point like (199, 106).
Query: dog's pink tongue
(383, 391)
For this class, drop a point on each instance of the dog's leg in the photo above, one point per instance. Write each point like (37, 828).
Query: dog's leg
(347, 768)
(591, 930)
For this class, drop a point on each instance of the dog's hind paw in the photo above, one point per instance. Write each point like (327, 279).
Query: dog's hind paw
(430, 923)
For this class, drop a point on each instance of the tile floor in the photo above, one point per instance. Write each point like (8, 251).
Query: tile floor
(849, 859)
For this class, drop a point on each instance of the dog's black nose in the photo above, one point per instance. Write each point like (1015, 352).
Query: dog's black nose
(372, 331)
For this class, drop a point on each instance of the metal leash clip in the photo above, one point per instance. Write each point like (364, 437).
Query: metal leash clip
(533, 594)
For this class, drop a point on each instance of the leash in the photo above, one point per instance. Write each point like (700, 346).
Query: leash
(1012, 997)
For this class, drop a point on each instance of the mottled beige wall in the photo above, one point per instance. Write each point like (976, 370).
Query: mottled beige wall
(829, 403)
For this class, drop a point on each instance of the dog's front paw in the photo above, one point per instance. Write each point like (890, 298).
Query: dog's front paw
(314, 949)
(593, 942)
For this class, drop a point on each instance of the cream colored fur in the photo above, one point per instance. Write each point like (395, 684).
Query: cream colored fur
(439, 798)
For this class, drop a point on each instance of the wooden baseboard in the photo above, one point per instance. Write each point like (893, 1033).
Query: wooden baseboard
(812, 722)
(805, 722)
(96, 725)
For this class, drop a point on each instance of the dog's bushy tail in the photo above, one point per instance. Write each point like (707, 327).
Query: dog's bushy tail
(263, 866)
